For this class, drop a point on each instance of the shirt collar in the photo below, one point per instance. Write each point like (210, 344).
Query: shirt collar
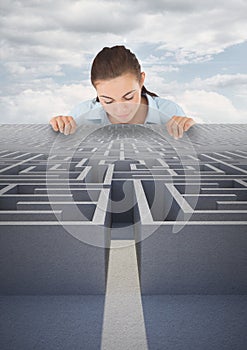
(153, 115)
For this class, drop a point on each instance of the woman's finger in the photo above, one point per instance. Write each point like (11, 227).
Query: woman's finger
(174, 127)
(60, 124)
(181, 126)
(73, 124)
(53, 123)
(177, 126)
(67, 125)
(189, 122)
(169, 127)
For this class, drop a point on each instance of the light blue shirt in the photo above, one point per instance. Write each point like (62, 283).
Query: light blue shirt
(160, 110)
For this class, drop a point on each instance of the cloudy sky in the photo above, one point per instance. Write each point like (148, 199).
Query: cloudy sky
(193, 52)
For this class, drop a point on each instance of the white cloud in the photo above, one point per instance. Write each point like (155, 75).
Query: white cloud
(211, 107)
(40, 37)
(161, 86)
(162, 68)
(232, 85)
(204, 105)
(38, 106)
(22, 69)
(194, 30)
(220, 81)
(196, 34)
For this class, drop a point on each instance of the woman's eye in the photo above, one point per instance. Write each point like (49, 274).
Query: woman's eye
(129, 98)
(126, 99)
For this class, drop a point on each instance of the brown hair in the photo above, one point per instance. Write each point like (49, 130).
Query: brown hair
(112, 62)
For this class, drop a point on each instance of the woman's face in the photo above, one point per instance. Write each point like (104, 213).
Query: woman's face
(121, 96)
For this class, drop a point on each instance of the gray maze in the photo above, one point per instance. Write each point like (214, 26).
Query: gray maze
(63, 199)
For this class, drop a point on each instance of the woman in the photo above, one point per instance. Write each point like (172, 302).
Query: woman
(122, 98)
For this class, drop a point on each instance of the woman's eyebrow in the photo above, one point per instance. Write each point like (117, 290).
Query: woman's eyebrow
(123, 95)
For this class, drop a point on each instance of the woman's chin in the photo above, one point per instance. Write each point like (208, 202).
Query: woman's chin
(124, 119)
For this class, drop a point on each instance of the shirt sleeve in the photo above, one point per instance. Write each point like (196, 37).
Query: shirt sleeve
(168, 109)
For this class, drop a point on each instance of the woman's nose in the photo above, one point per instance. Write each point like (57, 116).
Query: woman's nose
(121, 108)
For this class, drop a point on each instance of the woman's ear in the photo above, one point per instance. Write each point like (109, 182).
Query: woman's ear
(143, 75)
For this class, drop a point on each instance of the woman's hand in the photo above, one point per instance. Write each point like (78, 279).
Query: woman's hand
(65, 125)
(177, 125)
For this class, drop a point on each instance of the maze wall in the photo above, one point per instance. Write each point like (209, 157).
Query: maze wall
(64, 198)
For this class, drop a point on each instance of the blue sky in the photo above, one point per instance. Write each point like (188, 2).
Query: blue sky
(193, 52)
